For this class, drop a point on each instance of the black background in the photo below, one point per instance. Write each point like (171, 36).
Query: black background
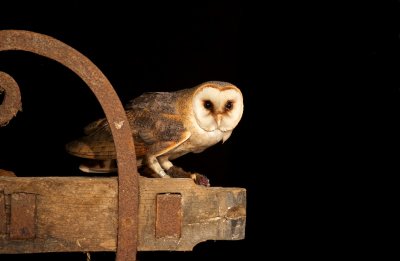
(320, 91)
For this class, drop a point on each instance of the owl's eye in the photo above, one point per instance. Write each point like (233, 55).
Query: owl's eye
(228, 105)
(208, 105)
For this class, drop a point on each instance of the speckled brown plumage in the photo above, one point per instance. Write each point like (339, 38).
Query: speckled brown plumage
(167, 125)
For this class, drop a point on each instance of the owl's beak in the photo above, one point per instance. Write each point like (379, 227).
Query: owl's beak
(218, 119)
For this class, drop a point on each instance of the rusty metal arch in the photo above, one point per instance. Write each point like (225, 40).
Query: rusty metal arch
(128, 192)
(12, 99)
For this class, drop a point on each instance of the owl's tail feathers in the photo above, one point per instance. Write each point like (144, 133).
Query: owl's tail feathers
(99, 166)
(102, 166)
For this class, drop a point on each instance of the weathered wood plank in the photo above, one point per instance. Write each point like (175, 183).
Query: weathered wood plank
(212, 213)
(72, 214)
(80, 214)
(3, 224)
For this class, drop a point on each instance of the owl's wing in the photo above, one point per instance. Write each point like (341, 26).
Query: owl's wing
(154, 133)
(156, 102)
(160, 133)
(157, 125)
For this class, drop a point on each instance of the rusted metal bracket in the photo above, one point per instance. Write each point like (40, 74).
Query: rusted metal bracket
(12, 98)
(18, 215)
(168, 215)
(127, 169)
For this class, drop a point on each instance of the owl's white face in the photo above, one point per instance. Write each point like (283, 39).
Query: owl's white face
(218, 107)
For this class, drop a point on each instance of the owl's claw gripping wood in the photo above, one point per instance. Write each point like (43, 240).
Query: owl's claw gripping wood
(166, 126)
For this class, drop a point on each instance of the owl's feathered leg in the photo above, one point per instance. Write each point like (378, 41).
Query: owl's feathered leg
(165, 163)
(152, 162)
(147, 171)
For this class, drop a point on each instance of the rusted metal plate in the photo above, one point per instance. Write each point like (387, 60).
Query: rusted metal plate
(169, 215)
(127, 169)
(23, 216)
(3, 220)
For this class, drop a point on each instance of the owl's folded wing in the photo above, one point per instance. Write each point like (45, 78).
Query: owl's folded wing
(155, 102)
(153, 133)
(159, 132)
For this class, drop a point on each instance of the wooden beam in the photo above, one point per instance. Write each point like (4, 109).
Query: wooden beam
(3, 215)
(80, 214)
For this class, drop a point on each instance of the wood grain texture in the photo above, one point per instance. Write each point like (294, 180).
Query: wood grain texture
(209, 213)
(80, 214)
(3, 220)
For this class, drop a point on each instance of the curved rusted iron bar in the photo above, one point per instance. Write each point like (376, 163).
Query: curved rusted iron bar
(12, 98)
(128, 193)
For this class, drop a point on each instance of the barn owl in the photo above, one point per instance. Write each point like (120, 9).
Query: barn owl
(165, 126)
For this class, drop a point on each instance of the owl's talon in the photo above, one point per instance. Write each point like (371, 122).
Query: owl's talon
(200, 179)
